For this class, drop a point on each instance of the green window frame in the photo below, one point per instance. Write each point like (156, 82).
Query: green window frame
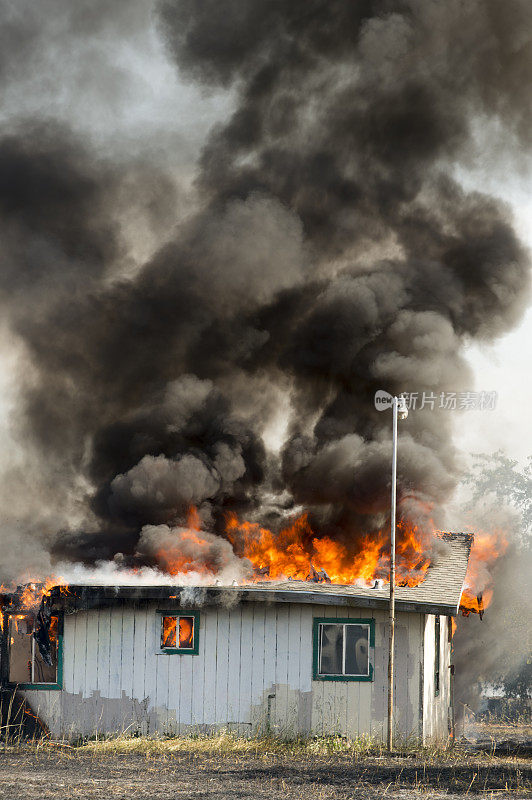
(53, 686)
(177, 615)
(343, 621)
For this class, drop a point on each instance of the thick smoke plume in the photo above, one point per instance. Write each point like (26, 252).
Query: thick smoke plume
(327, 250)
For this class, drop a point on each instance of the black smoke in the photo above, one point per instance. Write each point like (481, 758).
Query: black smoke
(329, 251)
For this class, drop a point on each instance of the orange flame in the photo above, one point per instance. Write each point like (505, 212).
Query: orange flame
(290, 553)
(186, 630)
(478, 585)
(168, 637)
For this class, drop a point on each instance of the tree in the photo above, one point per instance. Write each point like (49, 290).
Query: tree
(498, 475)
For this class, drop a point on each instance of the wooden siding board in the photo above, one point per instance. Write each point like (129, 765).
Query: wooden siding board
(270, 641)
(80, 654)
(199, 688)
(270, 662)
(185, 664)
(293, 667)
(69, 633)
(140, 645)
(162, 699)
(305, 669)
(246, 648)
(91, 659)
(305, 653)
(208, 635)
(294, 646)
(318, 691)
(234, 664)
(400, 679)
(222, 666)
(104, 642)
(281, 668)
(92, 711)
(115, 652)
(258, 657)
(380, 677)
(428, 671)
(128, 650)
(171, 681)
(414, 655)
(117, 719)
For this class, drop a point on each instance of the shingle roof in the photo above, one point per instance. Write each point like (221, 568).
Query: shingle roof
(439, 593)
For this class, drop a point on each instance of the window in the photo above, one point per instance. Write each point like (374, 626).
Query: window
(28, 668)
(179, 633)
(343, 649)
(437, 655)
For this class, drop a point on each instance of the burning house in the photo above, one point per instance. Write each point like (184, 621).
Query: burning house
(214, 337)
(286, 656)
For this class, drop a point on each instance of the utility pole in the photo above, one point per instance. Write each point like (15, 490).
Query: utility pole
(398, 409)
(392, 576)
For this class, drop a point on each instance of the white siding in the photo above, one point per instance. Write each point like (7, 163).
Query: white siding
(436, 708)
(253, 672)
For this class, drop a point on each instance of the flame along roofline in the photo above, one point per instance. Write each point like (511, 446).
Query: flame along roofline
(439, 593)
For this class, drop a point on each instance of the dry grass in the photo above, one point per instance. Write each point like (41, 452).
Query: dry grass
(226, 766)
(227, 743)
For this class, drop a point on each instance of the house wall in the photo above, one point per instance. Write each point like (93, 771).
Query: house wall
(436, 708)
(253, 673)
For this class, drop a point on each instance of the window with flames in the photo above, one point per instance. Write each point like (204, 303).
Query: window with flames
(28, 667)
(179, 632)
(343, 649)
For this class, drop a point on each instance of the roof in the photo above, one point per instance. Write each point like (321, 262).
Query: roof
(439, 593)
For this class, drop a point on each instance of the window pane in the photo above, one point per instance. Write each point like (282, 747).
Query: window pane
(331, 649)
(168, 632)
(20, 649)
(186, 632)
(357, 650)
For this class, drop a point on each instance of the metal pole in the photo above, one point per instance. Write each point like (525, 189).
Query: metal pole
(392, 575)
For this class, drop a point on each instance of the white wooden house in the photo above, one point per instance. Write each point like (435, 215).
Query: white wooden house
(290, 658)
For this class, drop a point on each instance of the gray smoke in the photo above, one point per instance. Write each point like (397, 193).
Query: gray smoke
(327, 250)
(181, 550)
(487, 651)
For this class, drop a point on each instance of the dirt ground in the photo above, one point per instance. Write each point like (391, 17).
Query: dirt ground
(30, 772)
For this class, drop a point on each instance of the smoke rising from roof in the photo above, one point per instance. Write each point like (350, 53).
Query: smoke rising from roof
(326, 252)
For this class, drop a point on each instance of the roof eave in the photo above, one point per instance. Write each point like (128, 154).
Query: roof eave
(78, 598)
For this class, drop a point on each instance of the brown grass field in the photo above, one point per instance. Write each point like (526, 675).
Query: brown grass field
(225, 767)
